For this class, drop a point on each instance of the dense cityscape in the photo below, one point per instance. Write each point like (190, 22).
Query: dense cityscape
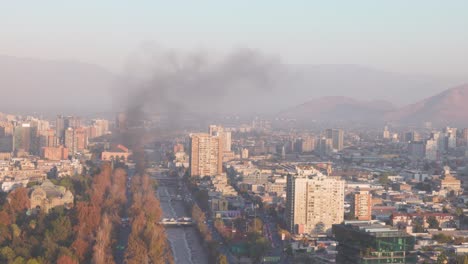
(233, 132)
(241, 191)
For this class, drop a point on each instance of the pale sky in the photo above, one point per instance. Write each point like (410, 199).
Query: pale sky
(407, 36)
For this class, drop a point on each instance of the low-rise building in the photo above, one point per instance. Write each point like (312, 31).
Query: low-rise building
(47, 196)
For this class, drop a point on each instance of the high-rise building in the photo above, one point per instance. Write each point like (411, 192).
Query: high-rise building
(206, 155)
(60, 128)
(47, 138)
(308, 144)
(314, 203)
(432, 149)
(367, 242)
(362, 205)
(324, 146)
(337, 137)
(101, 127)
(417, 149)
(25, 139)
(386, 133)
(76, 139)
(412, 136)
(223, 134)
(464, 137)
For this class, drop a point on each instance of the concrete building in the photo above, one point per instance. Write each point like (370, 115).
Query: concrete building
(54, 153)
(369, 242)
(25, 139)
(206, 155)
(432, 149)
(337, 137)
(417, 149)
(362, 205)
(449, 183)
(324, 146)
(101, 127)
(118, 152)
(308, 144)
(47, 196)
(76, 139)
(314, 203)
(225, 136)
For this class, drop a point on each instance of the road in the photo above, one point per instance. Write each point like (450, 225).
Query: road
(123, 230)
(185, 242)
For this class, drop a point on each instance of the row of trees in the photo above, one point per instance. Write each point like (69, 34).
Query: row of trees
(81, 234)
(147, 242)
(98, 215)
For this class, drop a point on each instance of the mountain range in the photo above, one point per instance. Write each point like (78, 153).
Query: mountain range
(449, 107)
(338, 92)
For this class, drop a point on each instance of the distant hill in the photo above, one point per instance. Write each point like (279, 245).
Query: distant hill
(46, 86)
(338, 108)
(449, 107)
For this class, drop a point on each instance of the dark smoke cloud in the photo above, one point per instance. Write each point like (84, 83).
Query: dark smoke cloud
(173, 83)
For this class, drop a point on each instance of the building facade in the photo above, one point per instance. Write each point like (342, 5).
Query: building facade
(369, 243)
(314, 203)
(362, 205)
(206, 155)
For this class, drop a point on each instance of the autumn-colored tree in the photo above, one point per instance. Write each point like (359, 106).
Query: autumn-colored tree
(102, 253)
(147, 241)
(19, 200)
(64, 259)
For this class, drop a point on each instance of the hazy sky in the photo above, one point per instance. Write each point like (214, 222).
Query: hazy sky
(410, 36)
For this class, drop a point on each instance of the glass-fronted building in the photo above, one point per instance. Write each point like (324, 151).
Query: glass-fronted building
(370, 243)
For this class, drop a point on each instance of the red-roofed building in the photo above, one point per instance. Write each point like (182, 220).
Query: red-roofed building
(444, 219)
(118, 152)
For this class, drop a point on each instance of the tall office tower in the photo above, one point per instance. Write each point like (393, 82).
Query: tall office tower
(25, 139)
(324, 145)
(60, 129)
(101, 127)
(432, 149)
(314, 203)
(76, 139)
(69, 140)
(121, 122)
(464, 137)
(337, 137)
(73, 122)
(362, 205)
(412, 136)
(308, 144)
(48, 138)
(417, 149)
(386, 133)
(450, 134)
(81, 136)
(206, 155)
(223, 134)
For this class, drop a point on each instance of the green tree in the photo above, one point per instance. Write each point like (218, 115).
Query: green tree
(442, 238)
(7, 254)
(33, 261)
(442, 259)
(222, 259)
(19, 260)
(433, 223)
(418, 226)
(319, 228)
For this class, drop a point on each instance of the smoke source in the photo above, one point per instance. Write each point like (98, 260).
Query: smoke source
(172, 83)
